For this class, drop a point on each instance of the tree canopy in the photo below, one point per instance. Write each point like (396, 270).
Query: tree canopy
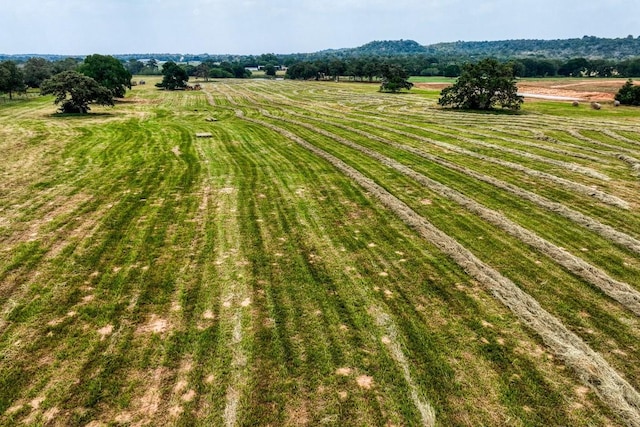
(481, 86)
(37, 70)
(11, 78)
(108, 72)
(173, 76)
(629, 94)
(74, 92)
(394, 78)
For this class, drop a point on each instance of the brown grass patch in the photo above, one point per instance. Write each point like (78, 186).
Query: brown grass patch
(105, 331)
(149, 403)
(365, 382)
(345, 372)
(155, 325)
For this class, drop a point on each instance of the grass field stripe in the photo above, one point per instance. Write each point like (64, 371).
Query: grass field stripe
(588, 222)
(571, 185)
(581, 188)
(619, 291)
(591, 368)
(566, 165)
(384, 322)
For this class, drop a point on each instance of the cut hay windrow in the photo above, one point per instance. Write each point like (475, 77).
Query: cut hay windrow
(610, 153)
(576, 134)
(632, 161)
(592, 369)
(571, 185)
(565, 165)
(384, 322)
(535, 145)
(616, 136)
(588, 222)
(619, 291)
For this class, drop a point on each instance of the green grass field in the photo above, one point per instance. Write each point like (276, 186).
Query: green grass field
(330, 256)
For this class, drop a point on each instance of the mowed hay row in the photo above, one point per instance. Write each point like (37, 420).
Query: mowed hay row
(617, 290)
(239, 279)
(421, 146)
(407, 128)
(621, 397)
(519, 263)
(605, 231)
(391, 294)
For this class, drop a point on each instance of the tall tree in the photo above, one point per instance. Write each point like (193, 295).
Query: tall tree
(629, 94)
(270, 70)
(575, 67)
(37, 70)
(108, 72)
(202, 70)
(173, 76)
(394, 78)
(74, 92)
(11, 78)
(66, 64)
(134, 66)
(481, 86)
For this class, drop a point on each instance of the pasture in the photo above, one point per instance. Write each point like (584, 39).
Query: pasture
(330, 256)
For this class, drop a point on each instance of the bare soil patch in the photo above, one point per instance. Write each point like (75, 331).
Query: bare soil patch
(154, 325)
(365, 382)
(591, 90)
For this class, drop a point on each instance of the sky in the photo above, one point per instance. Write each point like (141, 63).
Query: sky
(82, 27)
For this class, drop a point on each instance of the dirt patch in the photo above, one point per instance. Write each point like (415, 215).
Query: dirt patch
(155, 325)
(345, 372)
(189, 396)
(50, 414)
(432, 86)
(298, 415)
(365, 382)
(105, 331)
(149, 403)
(588, 91)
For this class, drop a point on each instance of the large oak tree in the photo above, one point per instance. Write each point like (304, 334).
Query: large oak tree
(394, 78)
(74, 92)
(481, 86)
(173, 76)
(11, 78)
(108, 72)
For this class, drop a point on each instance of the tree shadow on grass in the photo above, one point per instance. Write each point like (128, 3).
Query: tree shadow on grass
(491, 112)
(77, 116)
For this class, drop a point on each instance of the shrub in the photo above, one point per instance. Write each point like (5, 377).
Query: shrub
(629, 94)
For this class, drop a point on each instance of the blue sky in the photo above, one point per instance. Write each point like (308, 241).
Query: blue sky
(80, 27)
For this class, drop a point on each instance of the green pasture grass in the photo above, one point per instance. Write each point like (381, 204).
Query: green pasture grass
(431, 79)
(151, 276)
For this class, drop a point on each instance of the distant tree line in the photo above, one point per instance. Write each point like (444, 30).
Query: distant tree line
(459, 52)
(586, 46)
(205, 69)
(113, 73)
(368, 68)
